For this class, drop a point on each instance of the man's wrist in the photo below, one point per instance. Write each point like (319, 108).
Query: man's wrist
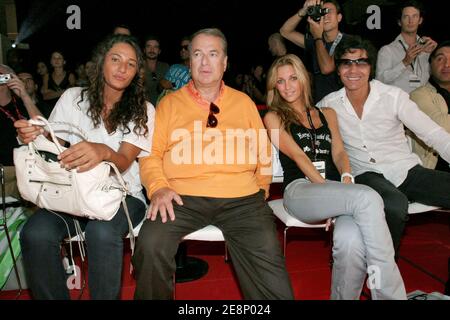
(301, 14)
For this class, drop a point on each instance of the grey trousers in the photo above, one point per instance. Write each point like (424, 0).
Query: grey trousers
(362, 242)
(249, 230)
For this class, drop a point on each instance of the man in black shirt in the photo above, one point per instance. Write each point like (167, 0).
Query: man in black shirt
(320, 43)
(15, 104)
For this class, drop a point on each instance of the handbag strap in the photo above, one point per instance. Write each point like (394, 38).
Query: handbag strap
(41, 121)
(124, 203)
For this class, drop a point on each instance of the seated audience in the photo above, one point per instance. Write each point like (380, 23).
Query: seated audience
(178, 74)
(31, 88)
(55, 83)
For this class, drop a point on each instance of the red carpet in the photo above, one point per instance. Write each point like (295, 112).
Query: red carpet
(426, 244)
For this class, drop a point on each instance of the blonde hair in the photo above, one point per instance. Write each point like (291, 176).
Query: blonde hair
(275, 101)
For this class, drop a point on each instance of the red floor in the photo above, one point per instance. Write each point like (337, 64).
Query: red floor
(426, 243)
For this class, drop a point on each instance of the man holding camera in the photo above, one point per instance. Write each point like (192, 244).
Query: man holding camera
(15, 104)
(320, 42)
(404, 62)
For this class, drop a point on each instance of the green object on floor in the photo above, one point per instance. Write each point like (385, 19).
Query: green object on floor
(15, 220)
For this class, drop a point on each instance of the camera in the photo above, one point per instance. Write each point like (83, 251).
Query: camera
(316, 12)
(4, 78)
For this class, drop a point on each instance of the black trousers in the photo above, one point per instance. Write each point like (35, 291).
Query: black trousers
(248, 226)
(427, 186)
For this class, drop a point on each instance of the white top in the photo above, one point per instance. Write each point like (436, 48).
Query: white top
(391, 70)
(377, 141)
(67, 109)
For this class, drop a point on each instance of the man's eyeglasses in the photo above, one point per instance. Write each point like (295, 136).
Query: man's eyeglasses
(212, 120)
(154, 78)
(185, 47)
(349, 62)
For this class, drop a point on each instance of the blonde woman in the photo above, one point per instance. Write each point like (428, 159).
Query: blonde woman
(318, 185)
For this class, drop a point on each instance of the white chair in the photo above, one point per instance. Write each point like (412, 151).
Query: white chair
(288, 220)
(277, 205)
(416, 207)
(208, 233)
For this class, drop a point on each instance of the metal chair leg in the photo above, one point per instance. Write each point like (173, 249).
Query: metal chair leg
(285, 240)
(227, 258)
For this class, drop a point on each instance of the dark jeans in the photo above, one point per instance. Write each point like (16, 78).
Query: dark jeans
(248, 226)
(427, 186)
(41, 240)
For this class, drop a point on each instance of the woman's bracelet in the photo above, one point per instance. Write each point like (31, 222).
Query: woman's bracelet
(346, 174)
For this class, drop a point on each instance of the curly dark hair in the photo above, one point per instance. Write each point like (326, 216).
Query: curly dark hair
(132, 105)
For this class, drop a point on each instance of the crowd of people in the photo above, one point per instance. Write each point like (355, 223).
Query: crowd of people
(360, 134)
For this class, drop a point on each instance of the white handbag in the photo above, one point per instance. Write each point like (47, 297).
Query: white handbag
(94, 194)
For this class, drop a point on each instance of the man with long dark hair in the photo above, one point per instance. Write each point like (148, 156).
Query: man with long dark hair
(372, 117)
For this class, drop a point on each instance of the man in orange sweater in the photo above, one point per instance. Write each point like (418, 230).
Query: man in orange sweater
(210, 164)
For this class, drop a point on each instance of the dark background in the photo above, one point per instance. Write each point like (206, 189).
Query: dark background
(247, 24)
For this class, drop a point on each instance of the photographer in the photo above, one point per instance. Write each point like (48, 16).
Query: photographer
(320, 42)
(15, 104)
(404, 62)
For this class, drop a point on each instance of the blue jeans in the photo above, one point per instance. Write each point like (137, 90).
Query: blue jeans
(41, 239)
(361, 239)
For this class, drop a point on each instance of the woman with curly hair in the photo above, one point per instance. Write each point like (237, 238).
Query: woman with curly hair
(119, 123)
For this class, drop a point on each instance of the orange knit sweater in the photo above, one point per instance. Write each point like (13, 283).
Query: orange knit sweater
(231, 160)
